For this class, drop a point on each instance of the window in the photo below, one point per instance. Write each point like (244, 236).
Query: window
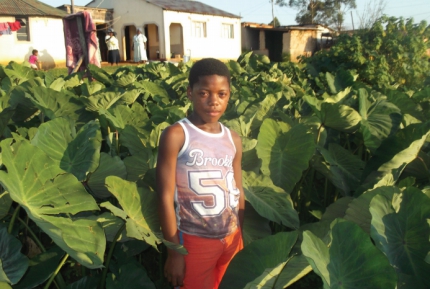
(22, 34)
(199, 29)
(227, 31)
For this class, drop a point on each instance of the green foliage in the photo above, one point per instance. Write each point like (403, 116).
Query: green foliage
(389, 54)
(324, 142)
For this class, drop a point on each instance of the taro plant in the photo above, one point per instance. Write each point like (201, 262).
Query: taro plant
(335, 174)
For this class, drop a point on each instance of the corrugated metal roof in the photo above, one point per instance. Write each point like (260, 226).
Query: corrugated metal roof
(28, 8)
(190, 7)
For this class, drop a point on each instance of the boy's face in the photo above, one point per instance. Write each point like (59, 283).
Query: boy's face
(210, 97)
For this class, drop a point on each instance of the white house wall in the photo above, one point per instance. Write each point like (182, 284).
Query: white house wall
(46, 35)
(137, 13)
(213, 45)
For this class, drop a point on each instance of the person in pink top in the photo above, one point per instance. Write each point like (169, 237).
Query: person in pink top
(34, 63)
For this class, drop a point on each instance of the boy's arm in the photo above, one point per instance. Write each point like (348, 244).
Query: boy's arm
(171, 141)
(237, 168)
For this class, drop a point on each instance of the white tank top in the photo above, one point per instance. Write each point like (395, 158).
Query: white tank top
(206, 196)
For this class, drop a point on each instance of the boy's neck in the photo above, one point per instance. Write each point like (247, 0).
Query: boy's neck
(213, 127)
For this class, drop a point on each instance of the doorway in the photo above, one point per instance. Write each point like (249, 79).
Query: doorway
(176, 40)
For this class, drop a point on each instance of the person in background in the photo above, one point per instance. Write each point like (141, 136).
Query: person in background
(138, 46)
(199, 183)
(34, 62)
(113, 48)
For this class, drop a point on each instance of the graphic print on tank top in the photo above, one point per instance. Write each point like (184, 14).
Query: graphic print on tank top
(206, 196)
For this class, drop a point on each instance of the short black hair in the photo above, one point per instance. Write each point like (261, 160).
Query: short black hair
(207, 66)
(34, 50)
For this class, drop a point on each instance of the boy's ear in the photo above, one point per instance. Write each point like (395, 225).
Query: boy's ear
(189, 92)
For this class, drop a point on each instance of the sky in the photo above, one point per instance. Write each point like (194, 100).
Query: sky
(260, 11)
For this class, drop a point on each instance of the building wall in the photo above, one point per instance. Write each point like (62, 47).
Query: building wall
(46, 35)
(213, 45)
(299, 42)
(136, 13)
(250, 39)
(140, 14)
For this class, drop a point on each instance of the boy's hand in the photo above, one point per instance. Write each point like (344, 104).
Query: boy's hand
(174, 269)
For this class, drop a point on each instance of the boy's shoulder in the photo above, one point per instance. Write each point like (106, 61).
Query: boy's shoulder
(173, 132)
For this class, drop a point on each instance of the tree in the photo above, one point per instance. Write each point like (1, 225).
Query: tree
(373, 10)
(327, 12)
(275, 22)
(336, 10)
(310, 11)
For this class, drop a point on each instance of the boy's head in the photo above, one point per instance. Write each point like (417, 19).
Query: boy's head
(205, 67)
(35, 51)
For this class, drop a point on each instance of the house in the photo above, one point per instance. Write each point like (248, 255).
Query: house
(277, 42)
(41, 29)
(174, 28)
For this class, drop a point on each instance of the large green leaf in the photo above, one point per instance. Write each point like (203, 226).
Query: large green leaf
(131, 276)
(103, 99)
(100, 75)
(337, 209)
(401, 230)
(135, 141)
(56, 104)
(50, 196)
(4, 285)
(87, 282)
(41, 267)
(380, 119)
(76, 153)
(269, 200)
(254, 226)
(109, 166)
(137, 165)
(397, 151)
(283, 275)
(358, 209)
(284, 155)
(122, 115)
(343, 168)
(259, 111)
(140, 205)
(5, 203)
(111, 224)
(18, 73)
(260, 257)
(338, 116)
(13, 264)
(352, 261)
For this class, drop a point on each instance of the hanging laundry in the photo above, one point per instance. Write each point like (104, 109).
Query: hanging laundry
(4, 26)
(75, 49)
(5, 29)
(14, 26)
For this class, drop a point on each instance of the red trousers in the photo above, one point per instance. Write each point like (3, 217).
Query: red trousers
(208, 259)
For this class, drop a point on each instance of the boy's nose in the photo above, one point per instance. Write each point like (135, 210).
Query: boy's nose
(213, 99)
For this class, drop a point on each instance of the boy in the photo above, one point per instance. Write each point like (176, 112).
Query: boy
(33, 59)
(199, 171)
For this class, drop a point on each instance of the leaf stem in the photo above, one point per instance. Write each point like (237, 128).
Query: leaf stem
(56, 271)
(36, 239)
(109, 256)
(60, 281)
(12, 221)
